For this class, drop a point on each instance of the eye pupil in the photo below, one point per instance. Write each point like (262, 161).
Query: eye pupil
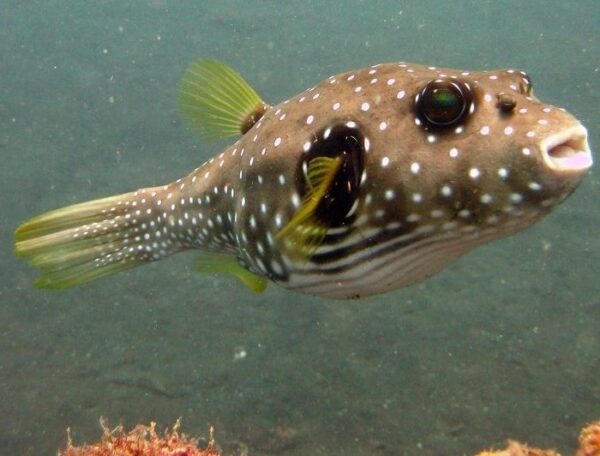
(443, 103)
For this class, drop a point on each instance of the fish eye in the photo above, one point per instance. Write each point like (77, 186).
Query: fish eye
(442, 103)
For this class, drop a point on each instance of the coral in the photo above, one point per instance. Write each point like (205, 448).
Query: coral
(519, 449)
(589, 445)
(141, 441)
(589, 440)
(144, 441)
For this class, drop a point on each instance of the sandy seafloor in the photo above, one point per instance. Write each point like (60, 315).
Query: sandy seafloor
(505, 343)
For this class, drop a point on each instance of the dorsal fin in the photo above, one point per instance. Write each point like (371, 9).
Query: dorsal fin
(217, 102)
(305, 232)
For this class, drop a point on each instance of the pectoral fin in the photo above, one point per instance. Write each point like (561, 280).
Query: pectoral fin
(304, 232)
(229, 265)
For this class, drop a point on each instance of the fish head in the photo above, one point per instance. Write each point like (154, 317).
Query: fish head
(473, 148)
(536, 142)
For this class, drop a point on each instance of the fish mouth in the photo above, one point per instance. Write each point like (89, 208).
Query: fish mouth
(568, 150)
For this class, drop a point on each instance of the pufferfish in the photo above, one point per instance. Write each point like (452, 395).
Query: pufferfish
(370, 181)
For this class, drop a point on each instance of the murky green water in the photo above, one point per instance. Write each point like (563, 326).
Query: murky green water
(505, 343)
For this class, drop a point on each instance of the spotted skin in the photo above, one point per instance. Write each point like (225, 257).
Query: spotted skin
(426, 195)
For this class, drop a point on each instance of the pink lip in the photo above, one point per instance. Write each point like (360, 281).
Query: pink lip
(568, 150)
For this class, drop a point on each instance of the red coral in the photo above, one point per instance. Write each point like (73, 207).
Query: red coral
(141, 441)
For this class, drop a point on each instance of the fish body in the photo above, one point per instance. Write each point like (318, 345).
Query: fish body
(371, 180)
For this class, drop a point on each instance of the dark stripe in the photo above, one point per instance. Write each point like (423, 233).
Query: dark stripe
(436, 240)
(365, 245)
(383, 236)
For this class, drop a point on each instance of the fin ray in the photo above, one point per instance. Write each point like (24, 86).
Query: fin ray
(303, 234)
(228, 264)
(216, 101)
(83, 242)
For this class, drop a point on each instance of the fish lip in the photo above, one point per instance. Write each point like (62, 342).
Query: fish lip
(567, 150)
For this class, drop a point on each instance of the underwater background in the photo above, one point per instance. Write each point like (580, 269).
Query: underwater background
(504, 343)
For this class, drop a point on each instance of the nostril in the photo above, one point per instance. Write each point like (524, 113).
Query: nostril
(506, 102)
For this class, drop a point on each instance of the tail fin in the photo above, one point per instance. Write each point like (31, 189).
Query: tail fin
(83, 242)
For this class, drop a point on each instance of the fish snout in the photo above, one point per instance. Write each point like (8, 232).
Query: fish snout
(567, 152)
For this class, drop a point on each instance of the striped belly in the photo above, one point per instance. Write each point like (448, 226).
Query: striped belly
(361, 266)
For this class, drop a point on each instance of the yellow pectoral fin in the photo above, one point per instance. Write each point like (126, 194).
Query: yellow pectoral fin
(303, 234)
(228, 264)
(216, 101)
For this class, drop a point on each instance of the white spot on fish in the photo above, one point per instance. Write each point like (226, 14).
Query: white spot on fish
(295, 199)
(486, 198)
(516, 197)
(446, 190)
(474, 173)
(503, 173)
(367, 144)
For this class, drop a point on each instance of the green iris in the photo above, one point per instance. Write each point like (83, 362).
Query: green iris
(444, 99)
